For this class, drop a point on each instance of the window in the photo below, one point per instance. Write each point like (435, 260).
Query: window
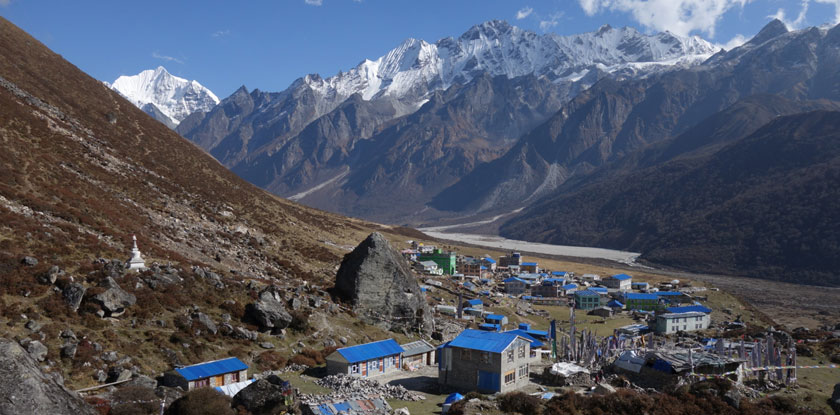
(510, 355)
(374, 364)
(391, 361)
(354, 369)
(465, 354)
(510, 377)
(485, 357)
(202, 383)
(523, 371)
(521, 353)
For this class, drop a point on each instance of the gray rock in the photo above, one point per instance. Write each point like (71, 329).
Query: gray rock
(401, 411)
(342, 340)
(118, 374)
(205, 322)
(33, 326)
(37, 350)
(295, 303)
(68, 334)
(114, 300)
(243, 333)
(269, 312)
(142, 381)
(733, 398)
(29, 261)
(73, 294)
(329, 342)
(262, 396)
(834, 401)
(110, 356)
(100, 376)
(267, 345)
(378, 283)
(51, 275)
(69, 350)
(27, 390)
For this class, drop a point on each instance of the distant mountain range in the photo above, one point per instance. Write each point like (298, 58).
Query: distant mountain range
(167, 98)
(416, 120)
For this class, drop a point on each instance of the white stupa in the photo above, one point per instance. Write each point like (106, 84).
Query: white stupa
(136, 261)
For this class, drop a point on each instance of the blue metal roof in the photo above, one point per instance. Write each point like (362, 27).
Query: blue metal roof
(561, 273)
(455, 397)
(490, 327)
(600, 290)
(496, 317)
(569, 286)
(668, 293)
(215, 368)
(550, 281)
(485, 341)
(534, 342)
(529, 264)
(689, 309)
(615, 303)
(512, 279)
(490, 260)
(621, 277)
(368, 351)
(640, 296)
(641, 284)
(475, 301)
(587, 293)
(543, 334)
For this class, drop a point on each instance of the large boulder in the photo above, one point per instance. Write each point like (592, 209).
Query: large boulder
(834, 401)
(378, 283)
(73, 294)
(269, 311)
(263, 396)
(27, 390)
(114, 299)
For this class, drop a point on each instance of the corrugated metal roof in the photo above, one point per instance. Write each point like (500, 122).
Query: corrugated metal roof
(534, 342)
(569, 286)
(599, 289)
(214, 368)
(368, 351)
(639, 283)
(529, 264)
(484, 341)
(494, 317)
(615, 303)
(490, 327)
(689, 309)
(562, 273)
(640, 296)
(621, 277)
(490, 260)
(417, 347)
(587, 293)
(669, 293)
(475, 301)
(512, 279)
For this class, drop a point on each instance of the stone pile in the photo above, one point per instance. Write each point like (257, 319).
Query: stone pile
(350, 385)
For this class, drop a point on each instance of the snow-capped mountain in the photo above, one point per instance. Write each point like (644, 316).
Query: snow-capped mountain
(498, 48)
(166, 97)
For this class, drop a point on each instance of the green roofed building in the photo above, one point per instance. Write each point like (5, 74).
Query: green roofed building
(446, 261)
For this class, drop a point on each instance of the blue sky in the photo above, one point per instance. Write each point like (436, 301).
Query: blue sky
(268, 44)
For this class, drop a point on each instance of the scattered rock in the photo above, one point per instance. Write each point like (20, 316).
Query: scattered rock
(37, 350)
(33, 326)
(69, 350)
(267, 345)
(209, 276)
(142, 381)
(204, 321)
(50, 276)
(68, 334)
(329, 342)
(834, 401)
(269, 312)
(295, 303)
(100, 376)
(73, 294)
(114, 300)
(603, 389)
(342, 340)
(343, 385)
(733, 398)
(110, 356)
(262, 396)
(377, 281)
(27, 390)
(29, 261)
(243, 333)
(401, 411)
(118, 374)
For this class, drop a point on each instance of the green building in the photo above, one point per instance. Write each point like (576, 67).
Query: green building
(446, 261)
(641, 301)
(587, 300)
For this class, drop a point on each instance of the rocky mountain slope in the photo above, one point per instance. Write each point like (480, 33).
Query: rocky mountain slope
(613, 119)
(494, 83)
(761, 205)
(167, 98)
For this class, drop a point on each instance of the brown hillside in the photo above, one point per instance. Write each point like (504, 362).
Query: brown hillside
(82, 169)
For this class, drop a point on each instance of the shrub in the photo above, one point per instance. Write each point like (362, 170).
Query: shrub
(134, 400)
(270, 360)
(519, 402)
(303, 360)
(300, 321)
(200, 402)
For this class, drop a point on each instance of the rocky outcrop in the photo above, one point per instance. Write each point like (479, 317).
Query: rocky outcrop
(834, 401)
(114, 299)
(27, 390)
(377, 282)
(73, 294)
(262, 396)
(269, 312)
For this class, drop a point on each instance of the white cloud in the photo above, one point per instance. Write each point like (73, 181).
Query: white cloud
(524, 12)
(221, 33)
(733, 43)
(314, 2)
(792, 24)
(680, 17)
(166, 58)
(552, 21)
(836, 4)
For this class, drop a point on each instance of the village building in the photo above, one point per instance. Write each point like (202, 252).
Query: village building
(446, 261)
(366, 360)
(599, 290)
(428, 267)
(549, 287)
(470, 267)
(207, 374)
(668, 323)
(569, 289)
(672, 298)
(136, 261)
(615, 305)
(507, 261)
(604, 312)
(484, 361)
(417, 354)
(489, 263)
(642, 301)
(528, 267)
(475, 303)
(590, 277)
(410, 254)
(621, 282)
(515, 286)
(587, 300)
(640, 286)
(499, 319)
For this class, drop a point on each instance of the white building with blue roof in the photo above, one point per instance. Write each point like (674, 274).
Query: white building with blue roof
(621, 282)
(485, 361)
(366, 360)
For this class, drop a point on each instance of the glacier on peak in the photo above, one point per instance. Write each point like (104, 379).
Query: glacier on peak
(165, 96)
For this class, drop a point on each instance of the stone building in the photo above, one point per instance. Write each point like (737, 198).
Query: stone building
(366, 360)
(208, 374)
(485, 361)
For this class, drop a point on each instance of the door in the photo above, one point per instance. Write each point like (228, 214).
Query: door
(488, 381)
(381, 365)
(219, 380)
(364, 368)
